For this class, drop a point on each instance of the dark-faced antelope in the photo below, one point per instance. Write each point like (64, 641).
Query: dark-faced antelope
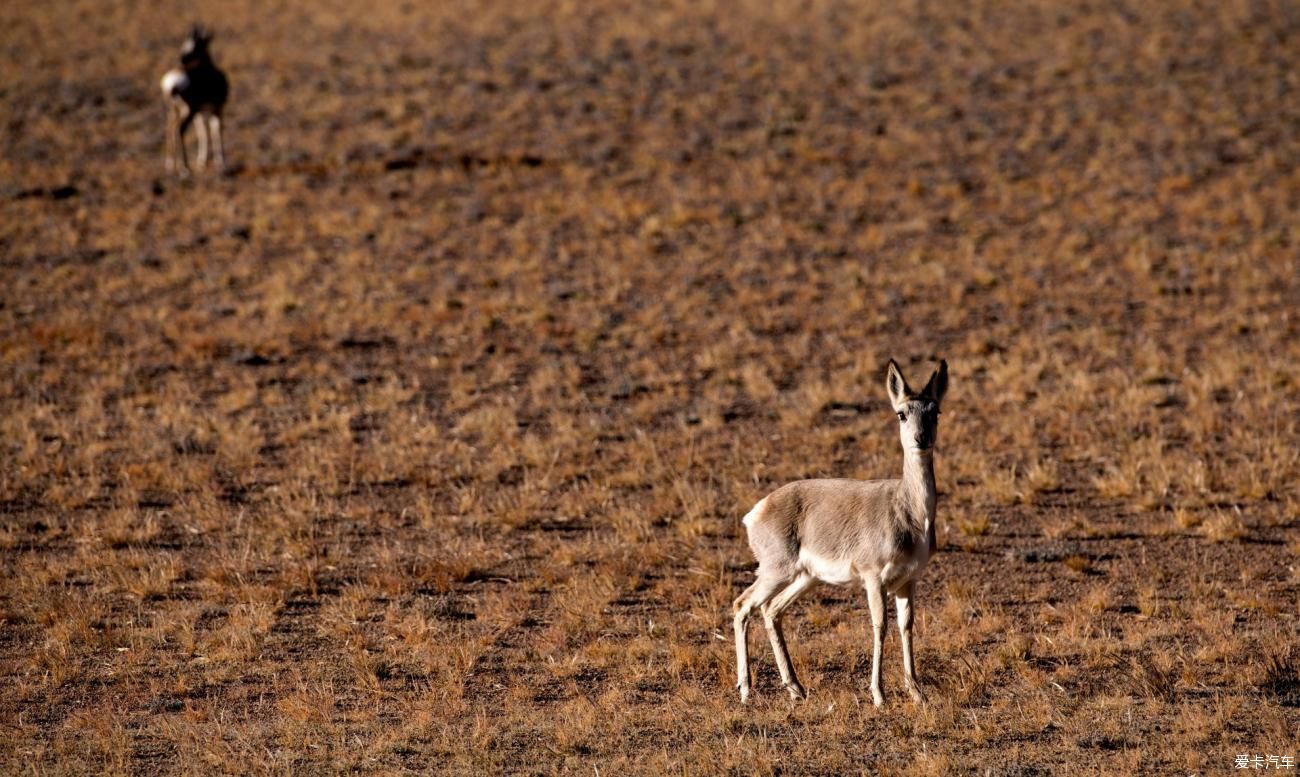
(876, 532)
(195, 90)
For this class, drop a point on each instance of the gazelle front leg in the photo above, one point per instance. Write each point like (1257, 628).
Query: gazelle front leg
(218, 142)
(903, 602)
(876, 598)
(201, 130)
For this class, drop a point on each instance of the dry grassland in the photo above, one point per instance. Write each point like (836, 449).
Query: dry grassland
(419, 440)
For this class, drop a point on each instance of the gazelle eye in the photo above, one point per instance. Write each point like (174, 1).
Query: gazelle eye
(902, 416)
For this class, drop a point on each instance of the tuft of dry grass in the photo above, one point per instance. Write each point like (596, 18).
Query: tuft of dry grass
(1225, 526)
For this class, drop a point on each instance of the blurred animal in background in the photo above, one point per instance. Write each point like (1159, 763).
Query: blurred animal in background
(195, 93)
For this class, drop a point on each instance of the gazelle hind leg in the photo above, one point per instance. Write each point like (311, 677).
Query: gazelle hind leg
(754, 596)
(772, 620)
(182, 157)
(742, 653)
(876, 598)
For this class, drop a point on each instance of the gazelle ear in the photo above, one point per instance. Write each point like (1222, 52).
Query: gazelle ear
(938, 385)
(896, 384)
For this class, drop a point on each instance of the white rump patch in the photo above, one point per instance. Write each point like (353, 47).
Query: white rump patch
(832, 571)
(753, 514)
(173, 82)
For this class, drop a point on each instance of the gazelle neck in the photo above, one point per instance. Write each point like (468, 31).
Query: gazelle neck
(918, 484)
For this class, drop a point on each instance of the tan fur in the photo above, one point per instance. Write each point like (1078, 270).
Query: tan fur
(878, 532)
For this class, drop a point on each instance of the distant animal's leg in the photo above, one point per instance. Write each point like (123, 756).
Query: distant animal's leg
(218, 142)
(772, 620)
(876, 598)
(903, 602)
(201, 130)
(182, 157)
(754, 596)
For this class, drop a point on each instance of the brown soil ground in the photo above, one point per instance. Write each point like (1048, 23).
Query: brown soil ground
(418, 440)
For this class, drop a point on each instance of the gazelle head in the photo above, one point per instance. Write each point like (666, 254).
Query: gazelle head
(918, 413)
(194, 51)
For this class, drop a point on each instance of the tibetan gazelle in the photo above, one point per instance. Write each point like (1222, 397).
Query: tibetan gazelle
(878, 532)
(197, 90)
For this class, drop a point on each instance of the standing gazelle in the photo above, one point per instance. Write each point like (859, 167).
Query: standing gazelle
(880, 532)
(196, 90)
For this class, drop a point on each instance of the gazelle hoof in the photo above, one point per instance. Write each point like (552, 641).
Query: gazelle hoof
(877, 698)
(744, 694)
(796, 691)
